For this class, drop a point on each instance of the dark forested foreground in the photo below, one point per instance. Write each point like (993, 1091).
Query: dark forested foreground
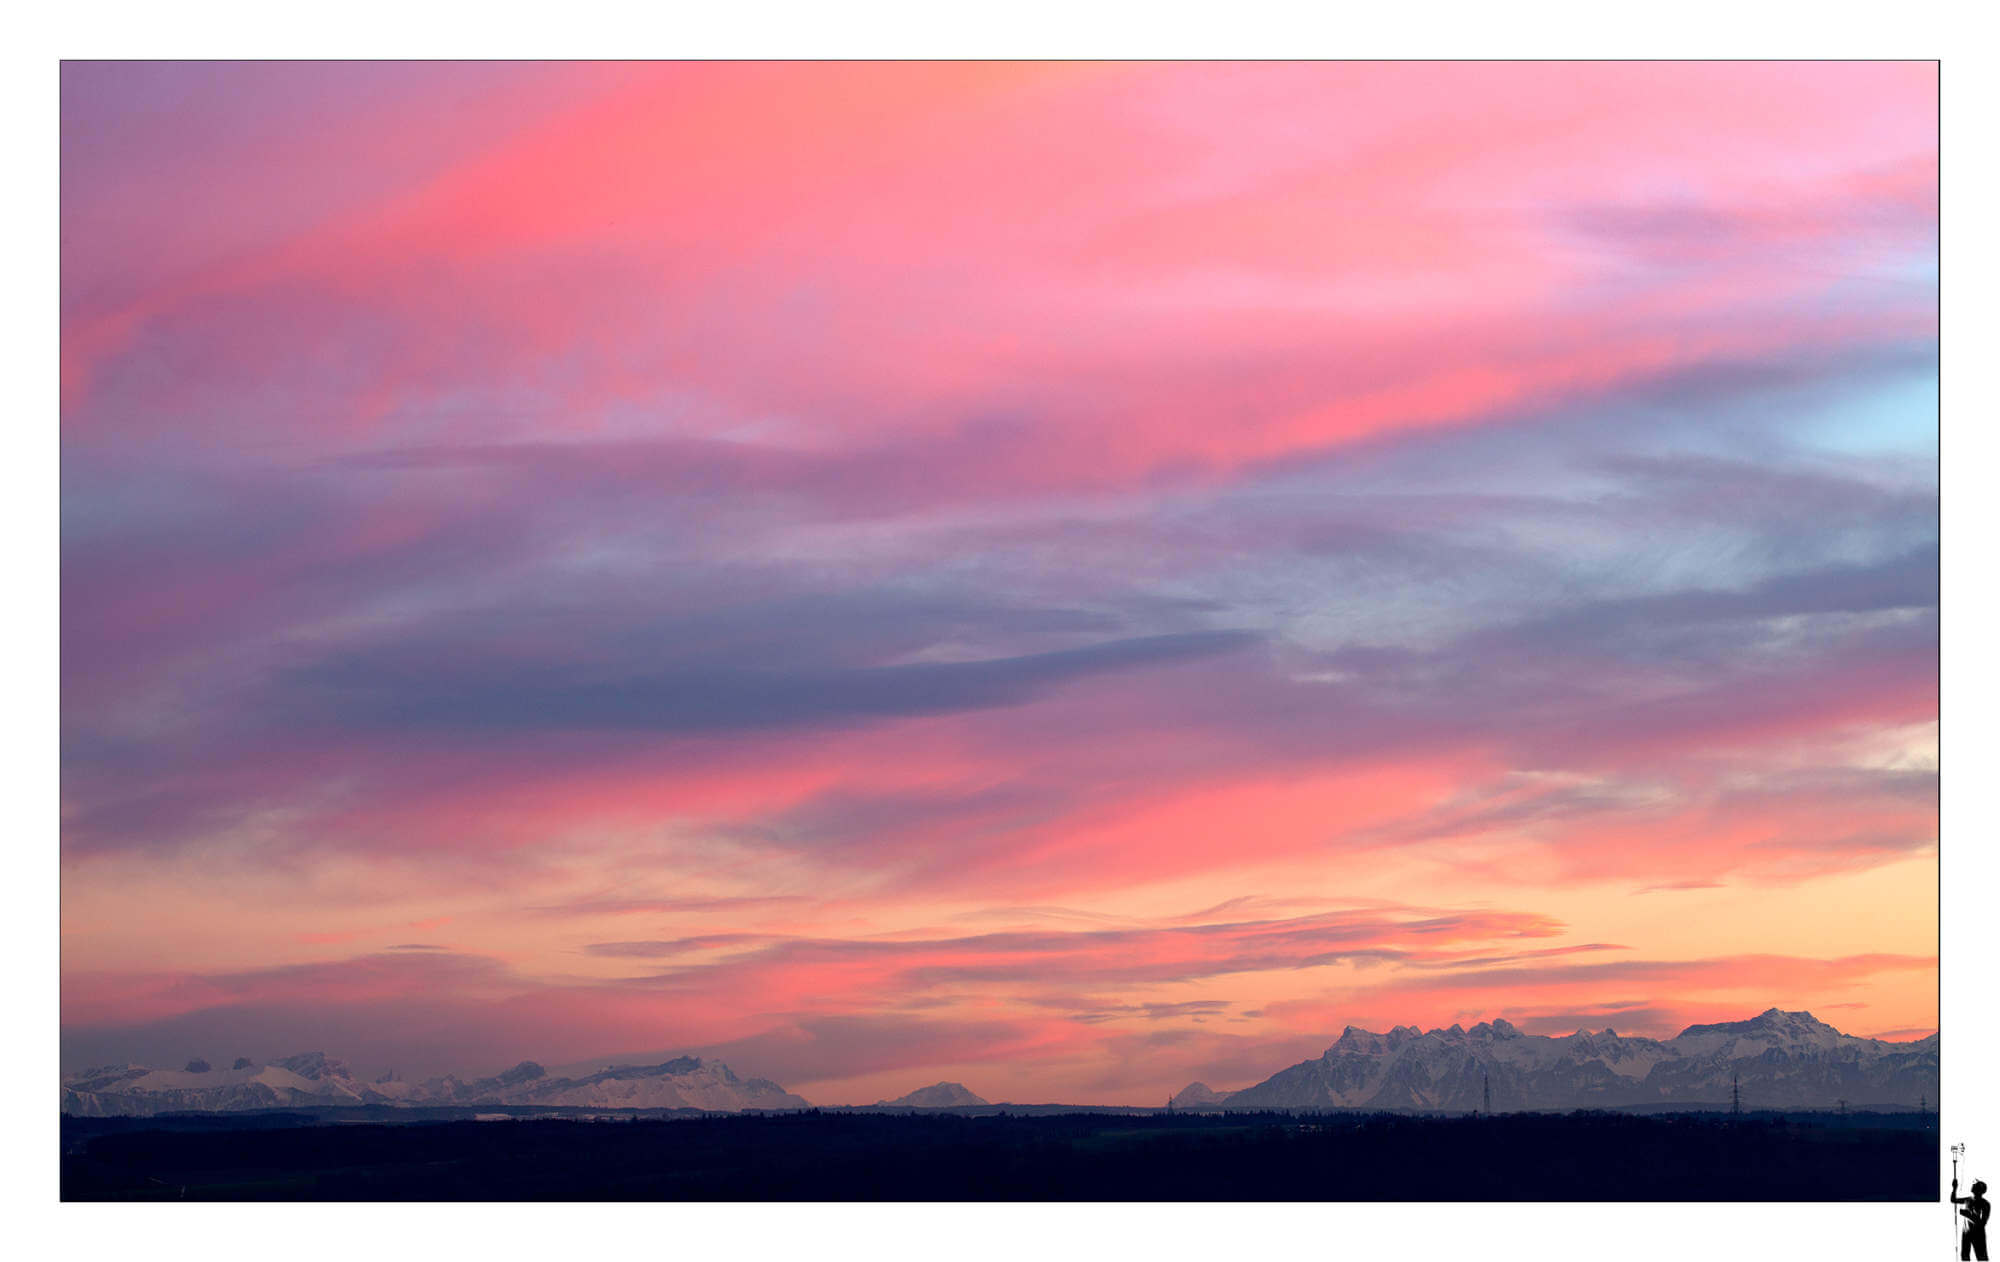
(1074, 1156)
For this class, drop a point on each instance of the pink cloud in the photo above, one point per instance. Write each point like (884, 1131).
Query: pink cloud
(776, 507)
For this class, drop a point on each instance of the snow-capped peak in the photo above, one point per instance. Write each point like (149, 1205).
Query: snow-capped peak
(1781, 1059)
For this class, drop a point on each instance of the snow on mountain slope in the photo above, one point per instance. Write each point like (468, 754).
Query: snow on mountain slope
(134, 1089)
(1782, 1059)
(314, 1080)
(686, 1082)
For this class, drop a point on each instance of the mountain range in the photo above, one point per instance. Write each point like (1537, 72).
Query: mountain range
(313, 1079)
(1776, 1060)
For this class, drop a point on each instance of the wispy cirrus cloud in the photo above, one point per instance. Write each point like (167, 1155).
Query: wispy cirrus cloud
(1027, 500)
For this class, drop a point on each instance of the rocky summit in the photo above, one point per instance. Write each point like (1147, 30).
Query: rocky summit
(1788, 1060)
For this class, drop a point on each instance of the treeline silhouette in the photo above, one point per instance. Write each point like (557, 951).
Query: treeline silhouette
(856, 1156)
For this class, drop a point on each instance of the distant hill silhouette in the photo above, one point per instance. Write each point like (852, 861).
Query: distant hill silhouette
(925, 1155)
(939, 1095)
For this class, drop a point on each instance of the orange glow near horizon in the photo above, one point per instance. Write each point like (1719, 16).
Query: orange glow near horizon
(1072, 579)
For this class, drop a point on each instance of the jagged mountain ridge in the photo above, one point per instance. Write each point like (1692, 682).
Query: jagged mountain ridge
(315, 1080)
(1781, 1059)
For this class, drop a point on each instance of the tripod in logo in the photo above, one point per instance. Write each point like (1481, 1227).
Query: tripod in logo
(1969, 1213)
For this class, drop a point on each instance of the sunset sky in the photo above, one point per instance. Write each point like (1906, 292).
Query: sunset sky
(1067, 578)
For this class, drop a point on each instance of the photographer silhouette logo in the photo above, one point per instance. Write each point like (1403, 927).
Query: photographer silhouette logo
(1969, 1213)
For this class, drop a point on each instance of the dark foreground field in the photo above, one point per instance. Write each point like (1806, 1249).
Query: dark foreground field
(856, 1156)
